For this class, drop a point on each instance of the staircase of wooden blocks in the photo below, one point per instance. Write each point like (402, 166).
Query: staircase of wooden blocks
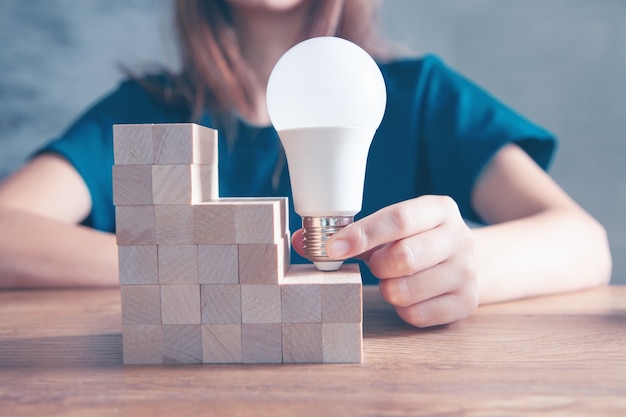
(207, 279)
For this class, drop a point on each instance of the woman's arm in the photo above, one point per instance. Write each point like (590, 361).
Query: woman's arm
(540, 241)
(41, 244)
(434, 270)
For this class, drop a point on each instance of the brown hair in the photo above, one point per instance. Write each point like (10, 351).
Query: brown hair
(214, 75)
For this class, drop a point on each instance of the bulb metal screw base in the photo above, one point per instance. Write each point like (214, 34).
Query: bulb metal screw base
(316, 231)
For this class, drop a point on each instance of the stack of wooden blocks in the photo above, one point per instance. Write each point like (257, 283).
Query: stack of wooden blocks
(207, 279)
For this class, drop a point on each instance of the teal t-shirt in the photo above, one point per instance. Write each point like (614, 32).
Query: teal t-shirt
(438, 132)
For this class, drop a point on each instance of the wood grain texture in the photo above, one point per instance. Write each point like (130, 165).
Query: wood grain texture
(184, 143)
(259, 220)
(214, 223)
(138, 264)
(342, 342)
(260, 304)
(221, 304)
(261, 343)
(135, 225)
(61, 355)
(141, 304)
(182, 343)
(221, 343)
(174, 224)
(133, 144)
(178, 264)
(171, 184)
(132, 185)
(142, 345)
(263, 263)
(218, 264)
(180, 304)
(341, 295)
(302, 343)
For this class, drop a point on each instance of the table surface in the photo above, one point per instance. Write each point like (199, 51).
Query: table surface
(61, 354)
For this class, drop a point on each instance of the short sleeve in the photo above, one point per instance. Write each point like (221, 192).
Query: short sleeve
(463, 127)
(88, 143)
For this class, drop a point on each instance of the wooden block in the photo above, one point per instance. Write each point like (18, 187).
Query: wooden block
(180, 304)
(138, 265)
(135, 225)
(218, 264)
(141, 304)
(142, 345)
(178, 264)
(133, 144)
(184, 143)
(260, 304)
(214, 223)
(264, 263)
(132, 184)
(174, 224)
(221, 304)
(171, 184)
(221, 343)
(342, 342)
(259, 220)
(182, 343)
(302, 295)
(261, 343)
(302, 343)
(342, 300)
(204, 183)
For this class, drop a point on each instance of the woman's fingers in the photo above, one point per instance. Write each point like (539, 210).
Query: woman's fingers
(443, 309)
(390, 224)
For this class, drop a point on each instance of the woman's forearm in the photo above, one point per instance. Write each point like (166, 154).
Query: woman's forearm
(39, 252)
(554, 251)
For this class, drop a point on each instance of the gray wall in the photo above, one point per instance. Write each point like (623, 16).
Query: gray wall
(560, 62)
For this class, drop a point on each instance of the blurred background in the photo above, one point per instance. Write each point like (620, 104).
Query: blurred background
(562, 63)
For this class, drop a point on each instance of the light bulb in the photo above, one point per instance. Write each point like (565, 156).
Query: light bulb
(326, 97)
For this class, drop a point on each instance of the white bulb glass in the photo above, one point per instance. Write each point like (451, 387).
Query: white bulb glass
(326, 97)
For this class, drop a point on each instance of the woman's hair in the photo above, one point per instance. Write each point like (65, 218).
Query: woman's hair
(214, 74)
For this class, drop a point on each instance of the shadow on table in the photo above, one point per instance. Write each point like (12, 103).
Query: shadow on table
(102, 350)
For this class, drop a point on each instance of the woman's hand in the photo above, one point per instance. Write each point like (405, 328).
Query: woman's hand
(423, 253)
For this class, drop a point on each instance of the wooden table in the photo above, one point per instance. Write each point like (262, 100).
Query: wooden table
(60, 354)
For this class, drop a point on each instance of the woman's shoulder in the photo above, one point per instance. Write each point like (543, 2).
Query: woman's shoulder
(413, 73)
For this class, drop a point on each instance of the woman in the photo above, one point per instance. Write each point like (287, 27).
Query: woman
(445, 151)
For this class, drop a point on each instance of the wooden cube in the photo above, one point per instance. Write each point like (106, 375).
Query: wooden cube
(259, 220)
(132, 185)
(141, 304)
(184, 143)
(221, 343)
(138, 264)
(142, 345)
(264, 263)
(221, 304)
(260, 304)
(204, 183)
(342, 300)
(261, 343)
(302, 342)
(135, 225)
(302, 295)
(171, 184)
(214, 223)
(133, 144)
(178, 264)
(342, 342)
(182, 343)
(180, 304)
(174, 224)
(218, 264)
